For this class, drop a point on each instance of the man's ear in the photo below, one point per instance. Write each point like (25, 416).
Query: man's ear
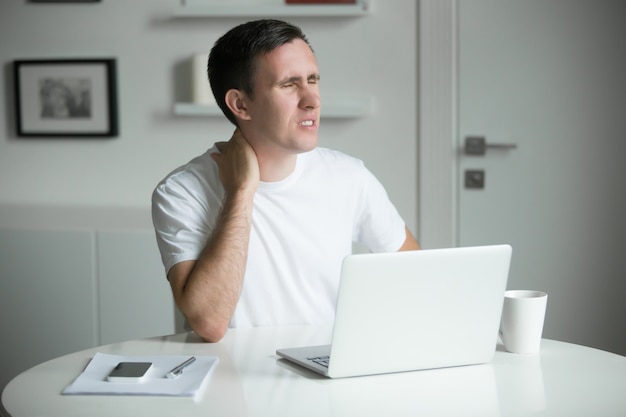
(237, 102)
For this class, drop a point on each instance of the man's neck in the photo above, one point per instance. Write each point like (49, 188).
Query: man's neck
(277, 167)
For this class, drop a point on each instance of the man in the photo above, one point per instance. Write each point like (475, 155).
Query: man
(254, 231)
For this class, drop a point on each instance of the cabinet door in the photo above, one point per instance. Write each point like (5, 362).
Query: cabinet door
(134, 296)
(47, 288)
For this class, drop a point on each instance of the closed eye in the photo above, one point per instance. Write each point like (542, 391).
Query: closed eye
(295, 81)
(314, 79)
(289, 82)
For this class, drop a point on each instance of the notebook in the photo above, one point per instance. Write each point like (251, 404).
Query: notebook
(408, 311)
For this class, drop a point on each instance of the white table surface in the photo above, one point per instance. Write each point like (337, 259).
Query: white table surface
(250, 380)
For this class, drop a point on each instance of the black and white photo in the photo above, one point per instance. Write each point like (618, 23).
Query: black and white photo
(66, 97)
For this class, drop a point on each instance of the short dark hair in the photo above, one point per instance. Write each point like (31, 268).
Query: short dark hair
(233, 56)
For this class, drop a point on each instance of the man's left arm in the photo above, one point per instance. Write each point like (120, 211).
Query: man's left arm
(409, 242)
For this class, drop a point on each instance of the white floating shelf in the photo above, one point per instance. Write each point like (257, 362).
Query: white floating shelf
(193, 109)
(348, 108)
(361, 8)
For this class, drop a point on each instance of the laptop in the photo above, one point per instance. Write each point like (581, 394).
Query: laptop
(409, 311)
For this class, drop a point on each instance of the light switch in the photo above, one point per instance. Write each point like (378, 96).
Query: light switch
(475, 179)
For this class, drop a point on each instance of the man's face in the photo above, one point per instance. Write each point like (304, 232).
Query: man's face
(284, 113)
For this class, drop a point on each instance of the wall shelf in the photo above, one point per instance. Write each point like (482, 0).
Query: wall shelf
(361, 8)
(333, 108)
(338, 107)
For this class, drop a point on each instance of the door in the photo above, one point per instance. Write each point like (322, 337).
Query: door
(549, 76)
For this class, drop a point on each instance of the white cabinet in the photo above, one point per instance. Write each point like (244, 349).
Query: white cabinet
(73, 287)
(47, 293)
(134, 296)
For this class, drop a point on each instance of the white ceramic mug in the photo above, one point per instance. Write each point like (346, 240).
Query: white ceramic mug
(522, 321)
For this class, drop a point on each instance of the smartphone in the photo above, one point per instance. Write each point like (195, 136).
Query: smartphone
(129, 372)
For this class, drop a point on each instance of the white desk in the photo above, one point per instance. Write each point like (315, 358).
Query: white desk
(563, 380)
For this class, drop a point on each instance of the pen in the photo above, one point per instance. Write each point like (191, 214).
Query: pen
(179, 369)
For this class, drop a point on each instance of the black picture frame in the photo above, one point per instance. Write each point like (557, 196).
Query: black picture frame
(66, 97)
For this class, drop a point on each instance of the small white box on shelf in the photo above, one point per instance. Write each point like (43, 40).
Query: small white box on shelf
(200, 88)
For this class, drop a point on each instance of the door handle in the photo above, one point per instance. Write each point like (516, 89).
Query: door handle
(477, 145)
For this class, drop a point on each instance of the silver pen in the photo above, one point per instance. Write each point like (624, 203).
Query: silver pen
(179, 369)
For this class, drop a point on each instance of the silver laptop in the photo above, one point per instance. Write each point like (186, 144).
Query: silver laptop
(407, 311)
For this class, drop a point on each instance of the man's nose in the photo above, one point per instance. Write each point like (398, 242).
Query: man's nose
(310, 97)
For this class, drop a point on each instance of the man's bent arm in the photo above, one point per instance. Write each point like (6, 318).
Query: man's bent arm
(409, 242)
(207, 290)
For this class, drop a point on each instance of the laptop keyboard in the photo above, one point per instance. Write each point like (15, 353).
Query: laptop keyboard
(320, 360)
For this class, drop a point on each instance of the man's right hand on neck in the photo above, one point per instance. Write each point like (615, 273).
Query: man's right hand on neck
(238, 165)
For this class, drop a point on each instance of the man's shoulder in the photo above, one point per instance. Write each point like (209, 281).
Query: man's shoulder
(200, 171)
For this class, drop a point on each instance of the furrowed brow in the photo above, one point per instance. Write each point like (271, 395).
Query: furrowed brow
(289, 80)
(296, 79)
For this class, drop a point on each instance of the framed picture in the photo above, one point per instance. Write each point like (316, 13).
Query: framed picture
(66, 97)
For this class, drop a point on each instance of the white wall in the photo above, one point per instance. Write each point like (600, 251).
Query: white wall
(376, 55)
(91, 197)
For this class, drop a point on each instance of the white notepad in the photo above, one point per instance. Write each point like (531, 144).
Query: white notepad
(191, 383)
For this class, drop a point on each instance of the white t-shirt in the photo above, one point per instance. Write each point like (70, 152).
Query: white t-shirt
(302, 228)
